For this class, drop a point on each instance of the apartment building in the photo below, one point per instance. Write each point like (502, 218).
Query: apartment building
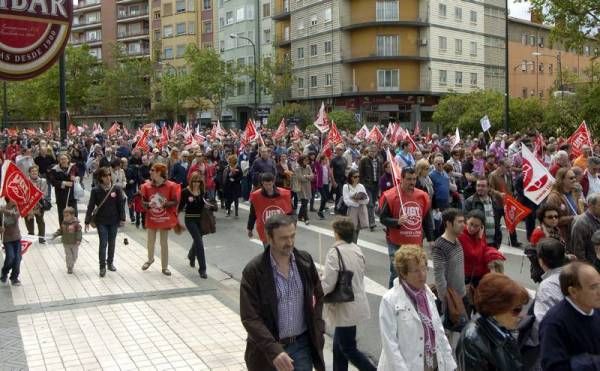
(177, 24)
(538, 67)
(390, 59)
(103, 23)
(244, 32)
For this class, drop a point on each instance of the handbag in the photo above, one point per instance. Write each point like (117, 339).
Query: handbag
(342, 293)
(93, 216)
(78, 192)
(456, 314)
(208, 222)
(340, 207)
(45, 205)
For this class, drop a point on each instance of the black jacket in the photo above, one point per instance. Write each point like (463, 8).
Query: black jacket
(57, 176)
(484, 346)
(367, 176)
(258, 311)
(112, 210)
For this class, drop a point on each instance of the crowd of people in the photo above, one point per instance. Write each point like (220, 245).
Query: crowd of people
(447, 204)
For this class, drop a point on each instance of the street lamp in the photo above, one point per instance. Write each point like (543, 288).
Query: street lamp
(176, 89)
(559, 64)
(234, 36)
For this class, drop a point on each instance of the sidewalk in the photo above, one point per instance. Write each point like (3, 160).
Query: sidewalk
(129, 320)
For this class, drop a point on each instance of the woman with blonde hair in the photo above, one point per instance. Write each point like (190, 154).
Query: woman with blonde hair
(232, 184)
(192, 203)
(563, 198)
(412, 334)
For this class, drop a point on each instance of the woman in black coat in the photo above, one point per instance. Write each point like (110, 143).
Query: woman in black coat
(232, 184)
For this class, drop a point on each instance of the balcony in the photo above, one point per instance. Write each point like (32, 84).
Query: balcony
(138, 53)
(84, 6)
(132, 16)
(283, 41)
(131, 1)
(133, 35)
(91, 42)
(281, 10)
(81, 26)
(354, 58)
(357, 21)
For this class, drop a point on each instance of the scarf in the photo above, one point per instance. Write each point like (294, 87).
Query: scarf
(419, 300)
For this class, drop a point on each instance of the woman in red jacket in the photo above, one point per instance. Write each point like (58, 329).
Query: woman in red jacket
(479, 258)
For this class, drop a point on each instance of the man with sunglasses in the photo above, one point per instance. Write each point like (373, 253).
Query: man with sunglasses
(584, 226)
(591, 178)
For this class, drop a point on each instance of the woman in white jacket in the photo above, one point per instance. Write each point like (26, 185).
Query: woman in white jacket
(356, 198)
(412, 335)
(345, 316)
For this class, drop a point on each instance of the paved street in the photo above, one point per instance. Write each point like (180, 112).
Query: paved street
(144, 320)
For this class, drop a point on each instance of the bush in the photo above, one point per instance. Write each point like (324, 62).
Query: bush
(344, 120)
(298, 113)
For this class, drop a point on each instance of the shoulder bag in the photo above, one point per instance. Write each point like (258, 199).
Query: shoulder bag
(342, 293)
(93, 217)
(340, 207)
(456, 314)
(208, 222)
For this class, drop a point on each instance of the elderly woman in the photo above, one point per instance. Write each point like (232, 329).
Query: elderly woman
(345, 316)
(563, 199)
(487, 343)
(356, 198)
(160, 198)
(412, 334)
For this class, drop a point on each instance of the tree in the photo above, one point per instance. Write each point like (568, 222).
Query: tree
(82, 72)
(344, 120)
(274, 77)
(210, 81)
(293, 112)
(575, 21)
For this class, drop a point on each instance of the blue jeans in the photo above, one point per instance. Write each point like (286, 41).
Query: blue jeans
(107, 234)
(300, 352)
(391, 251)
(344, 350)
(12, 260)
(197, 250)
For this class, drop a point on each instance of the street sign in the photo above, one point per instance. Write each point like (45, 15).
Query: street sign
(33, 33)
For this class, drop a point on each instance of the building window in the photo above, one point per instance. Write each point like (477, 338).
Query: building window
(524, 92)
(157, 15)
(207, 27)
(327, 15)
(207, 4)
(313, 20)
(550, 68)
(301, 24)
(541, 41)
(473, 50)
(168, 31)
(328, 79)
(313, 50)
(157, 35)
(532, 40)
(458, 14)
(387, 46)
(191, 5)
(473, 79)
(327, 47)
(458, 78)
(442, 10)
(541, 67)
(267, 36)
(458, 46)
(180, 50)
(241, 62)
(443, 77)
(313, 81)
(229, 17)
(180, 6)
(168, 53)
(240, 14)
(241, 88)
(388, 80)
(167, 9)
(473, 17)
(180, 28)
(443, 41)
(300, 53)
(191, 28)
(524, 39)
(266, 10)
(300, 83)
(387, 10)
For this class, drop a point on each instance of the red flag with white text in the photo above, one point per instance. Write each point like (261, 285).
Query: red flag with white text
(142, 143)
(333, 136)
(322, 122)
(281, 130)
(164, 137)
(581, 137)
(537, 180)
(514, 212)
(17, 187)
(362, 134)
(417, 129)
(297, 133)
(375, 135)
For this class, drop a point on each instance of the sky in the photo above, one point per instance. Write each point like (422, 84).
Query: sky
(519, 10)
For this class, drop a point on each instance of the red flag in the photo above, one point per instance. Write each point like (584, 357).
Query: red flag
(297, 133)
(25, 245)
(362, 134)
(177, 129)
(391, 130)
(18, 188)
(250, 133)
(581, 137)
(428, 137)
(114, 129)
(326, 150)
(322, 122)
(142, 144)
(537, 180)
(417, 129)
(538, 150)
(514, 212)
(334, 137)
(164, 137)
(233, 134)
(72, 129)
(220, 133)
(281, 130)
(375, 135)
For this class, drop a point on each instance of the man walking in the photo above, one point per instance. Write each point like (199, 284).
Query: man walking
(370, 170)
(281, 302)
(583, 228)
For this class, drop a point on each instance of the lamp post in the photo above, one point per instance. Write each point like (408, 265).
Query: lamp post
(176, 90)
(4, 108)
(234, 36)
(559, 82)
(507, 89)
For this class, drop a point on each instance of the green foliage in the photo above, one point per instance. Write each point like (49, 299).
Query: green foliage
(344, 120)
(275, 77)
(574, 20)
(299, 112)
